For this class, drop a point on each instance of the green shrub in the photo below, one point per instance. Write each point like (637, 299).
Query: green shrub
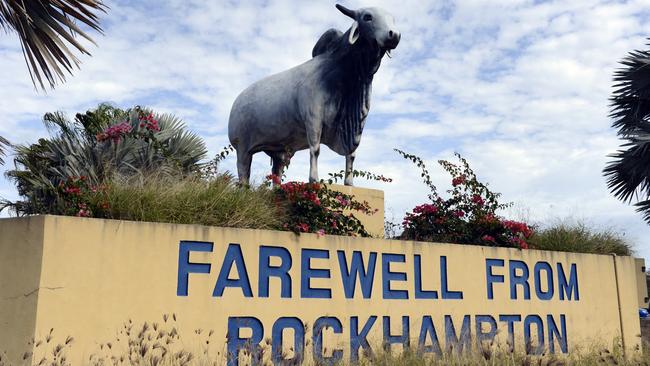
(579, 237)
(98, 144)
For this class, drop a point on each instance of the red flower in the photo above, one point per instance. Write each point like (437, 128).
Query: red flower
(458, 180)
(426, 208)
(477, 199)
(303, 228)
(459, 213)
(274, 179)
(73, 190)
(488, 238)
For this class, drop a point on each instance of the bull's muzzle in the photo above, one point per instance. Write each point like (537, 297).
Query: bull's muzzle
(392, 39)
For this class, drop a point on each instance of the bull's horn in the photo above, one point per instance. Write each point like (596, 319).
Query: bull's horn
(351, 13)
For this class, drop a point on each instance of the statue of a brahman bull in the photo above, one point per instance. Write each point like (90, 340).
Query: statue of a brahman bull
(324, 100)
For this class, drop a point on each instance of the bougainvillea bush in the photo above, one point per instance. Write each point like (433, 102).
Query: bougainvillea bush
(468, 215)
(316, 208)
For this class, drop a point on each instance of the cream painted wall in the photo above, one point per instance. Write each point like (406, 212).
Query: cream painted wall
(86, 277)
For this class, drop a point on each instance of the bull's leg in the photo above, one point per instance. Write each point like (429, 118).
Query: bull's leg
(314, 129)
(314, 151)
(244, 159)
(349, 162)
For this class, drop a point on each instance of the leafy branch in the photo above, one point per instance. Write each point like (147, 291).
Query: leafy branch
(426, 177)
(335, 177)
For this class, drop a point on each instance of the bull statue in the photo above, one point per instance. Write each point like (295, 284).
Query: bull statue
(324, 100)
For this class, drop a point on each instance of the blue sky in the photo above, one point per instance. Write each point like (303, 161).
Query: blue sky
(520, 88)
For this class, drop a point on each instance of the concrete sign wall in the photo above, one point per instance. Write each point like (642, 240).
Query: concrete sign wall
(288, 296)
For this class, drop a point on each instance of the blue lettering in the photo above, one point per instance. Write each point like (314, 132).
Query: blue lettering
(446, 294)
(548, 294)
(404, 339)
(528, 322)
(185, 267)
(388, 276)
(233, 256)
(519, 279)
(298, 341)
(572, 286)
(483, 336)
(317, 340)
(419, 293)
(282, 271)
(307, 273)
(358, 340)
(561, 334)
(493, 278)
(452, 341)
(510, 321)
(236, 343)
(428, 328)
(357, 269)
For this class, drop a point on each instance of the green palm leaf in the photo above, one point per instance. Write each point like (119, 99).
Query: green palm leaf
(3, 145)
(628, 175)
(46, 29)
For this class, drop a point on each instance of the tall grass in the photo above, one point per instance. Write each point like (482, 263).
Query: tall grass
(576, 236)
(165, 343)
(191, 200)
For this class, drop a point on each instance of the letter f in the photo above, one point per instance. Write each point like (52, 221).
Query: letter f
(184, 265)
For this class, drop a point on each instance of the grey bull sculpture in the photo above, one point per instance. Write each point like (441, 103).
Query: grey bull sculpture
(324, 100)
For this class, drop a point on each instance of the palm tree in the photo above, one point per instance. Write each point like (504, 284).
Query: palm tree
(42, 27)
(628, 175)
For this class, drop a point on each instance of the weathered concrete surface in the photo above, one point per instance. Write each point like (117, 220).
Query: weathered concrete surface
(86, 277)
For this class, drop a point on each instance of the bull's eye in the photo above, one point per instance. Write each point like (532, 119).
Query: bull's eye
(367, 18)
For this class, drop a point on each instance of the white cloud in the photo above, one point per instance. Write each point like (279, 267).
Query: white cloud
(519, 87)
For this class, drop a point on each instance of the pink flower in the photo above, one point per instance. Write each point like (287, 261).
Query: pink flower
(459, 213)
(342, 200)
(115, 132)
(321, 232)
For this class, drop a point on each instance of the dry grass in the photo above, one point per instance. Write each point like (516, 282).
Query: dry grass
(576, 236)
(215, 202)
(161, 344)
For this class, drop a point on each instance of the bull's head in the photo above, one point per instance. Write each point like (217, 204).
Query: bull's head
(374, 25)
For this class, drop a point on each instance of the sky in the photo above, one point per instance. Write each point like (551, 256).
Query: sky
(519, 88)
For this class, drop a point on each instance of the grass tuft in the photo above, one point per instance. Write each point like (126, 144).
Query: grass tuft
(217, 202)
(576, 236)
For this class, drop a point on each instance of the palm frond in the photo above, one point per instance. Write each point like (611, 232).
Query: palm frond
(4, 144)
(628, 175)
(46, 29)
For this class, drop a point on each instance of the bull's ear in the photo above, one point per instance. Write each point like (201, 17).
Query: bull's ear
(354, 33)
